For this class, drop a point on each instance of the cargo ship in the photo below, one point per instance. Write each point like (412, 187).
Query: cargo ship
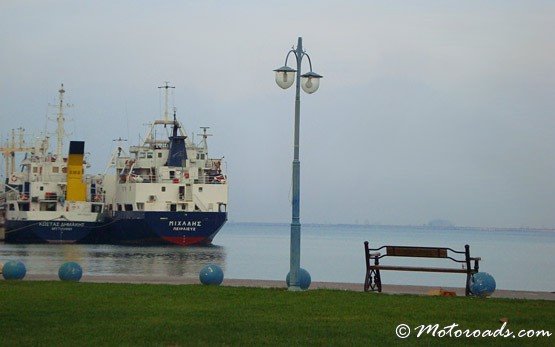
(49, 200)
(166, 190)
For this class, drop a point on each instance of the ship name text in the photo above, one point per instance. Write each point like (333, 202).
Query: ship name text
(62, 226)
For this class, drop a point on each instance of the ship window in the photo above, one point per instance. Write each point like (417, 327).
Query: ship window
(119, 207)
(172, 175)
(55, 169)
(23, 206)
(149, 155)
(64, 169)
(35, 169)
(163, 189)
(181, 192)
(200, 189)
(140, 206)
(159, 155)
(96, 208)
(41, 188)
(202, 156)
(48, 206)
(12, 207)
(184, 207)
(173, 207)
(129, 207)
(142, 155)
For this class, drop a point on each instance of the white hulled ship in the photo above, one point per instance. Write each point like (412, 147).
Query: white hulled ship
(165, 190)
(49, 200)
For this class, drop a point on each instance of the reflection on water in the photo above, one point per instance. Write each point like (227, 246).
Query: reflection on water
(110, 260)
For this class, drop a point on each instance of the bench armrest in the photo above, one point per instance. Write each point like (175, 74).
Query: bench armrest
(374, 255)
(475, 258)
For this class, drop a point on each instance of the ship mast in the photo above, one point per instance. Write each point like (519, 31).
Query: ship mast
(14, 144)
(60, 131)
(204, 137)
(166, 107)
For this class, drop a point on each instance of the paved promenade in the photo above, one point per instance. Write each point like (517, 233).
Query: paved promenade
(358, 287)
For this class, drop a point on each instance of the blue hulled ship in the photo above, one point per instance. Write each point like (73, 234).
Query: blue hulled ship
(49, 200)
(167, 190)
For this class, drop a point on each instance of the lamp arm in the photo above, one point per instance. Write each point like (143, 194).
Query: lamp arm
(287, 57)
(309, 61)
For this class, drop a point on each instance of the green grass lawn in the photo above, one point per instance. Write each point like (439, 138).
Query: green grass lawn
(61, 313)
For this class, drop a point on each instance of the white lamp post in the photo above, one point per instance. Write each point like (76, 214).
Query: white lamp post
(285, 76)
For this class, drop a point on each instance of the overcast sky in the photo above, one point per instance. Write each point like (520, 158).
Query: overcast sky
(427, 109)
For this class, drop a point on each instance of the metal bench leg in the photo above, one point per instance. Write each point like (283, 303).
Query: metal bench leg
(372, 281)
(468, 270)
(467, 288)
(378, 280)
(367, 280)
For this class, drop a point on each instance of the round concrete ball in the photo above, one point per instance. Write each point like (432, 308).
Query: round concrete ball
(211, 275)
(482, 284)
(304, 279)
(70, 271)
(14, 270)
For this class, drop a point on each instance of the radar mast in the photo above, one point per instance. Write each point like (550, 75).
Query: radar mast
(60, 131)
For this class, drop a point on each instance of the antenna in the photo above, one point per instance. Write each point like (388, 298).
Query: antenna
(60, 119)
(166, 87)
(204, 137)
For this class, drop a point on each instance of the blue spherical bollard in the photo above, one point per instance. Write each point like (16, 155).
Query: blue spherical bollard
(482, 284)
(211, 275)
(70, 271)
(14, 270)
(304, 279)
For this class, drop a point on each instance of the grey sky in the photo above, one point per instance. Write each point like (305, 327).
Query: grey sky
(427, 109)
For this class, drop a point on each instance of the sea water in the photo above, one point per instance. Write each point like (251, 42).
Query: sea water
(518, 259)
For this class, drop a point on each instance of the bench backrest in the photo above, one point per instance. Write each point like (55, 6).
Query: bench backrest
(421, 252)
(424, 252)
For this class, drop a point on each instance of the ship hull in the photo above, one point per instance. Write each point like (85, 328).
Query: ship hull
(57, 232)
(159, 228)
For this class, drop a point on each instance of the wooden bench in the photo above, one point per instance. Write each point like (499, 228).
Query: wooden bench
(373, 279)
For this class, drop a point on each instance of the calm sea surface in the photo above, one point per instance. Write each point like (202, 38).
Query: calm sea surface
(520, 260)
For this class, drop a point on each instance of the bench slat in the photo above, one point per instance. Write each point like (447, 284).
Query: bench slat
(415, 268)
(426, 252)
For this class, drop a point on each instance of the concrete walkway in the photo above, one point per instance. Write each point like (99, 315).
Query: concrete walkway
(358, 287)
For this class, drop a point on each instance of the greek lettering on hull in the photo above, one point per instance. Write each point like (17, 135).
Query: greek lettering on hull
(182, 223)
(61, 224)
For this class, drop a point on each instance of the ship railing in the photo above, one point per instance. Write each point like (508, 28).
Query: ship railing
(142, 178)
(217, 179)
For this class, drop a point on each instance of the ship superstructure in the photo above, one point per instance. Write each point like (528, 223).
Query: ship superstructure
(49, 200)
(165, 190)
